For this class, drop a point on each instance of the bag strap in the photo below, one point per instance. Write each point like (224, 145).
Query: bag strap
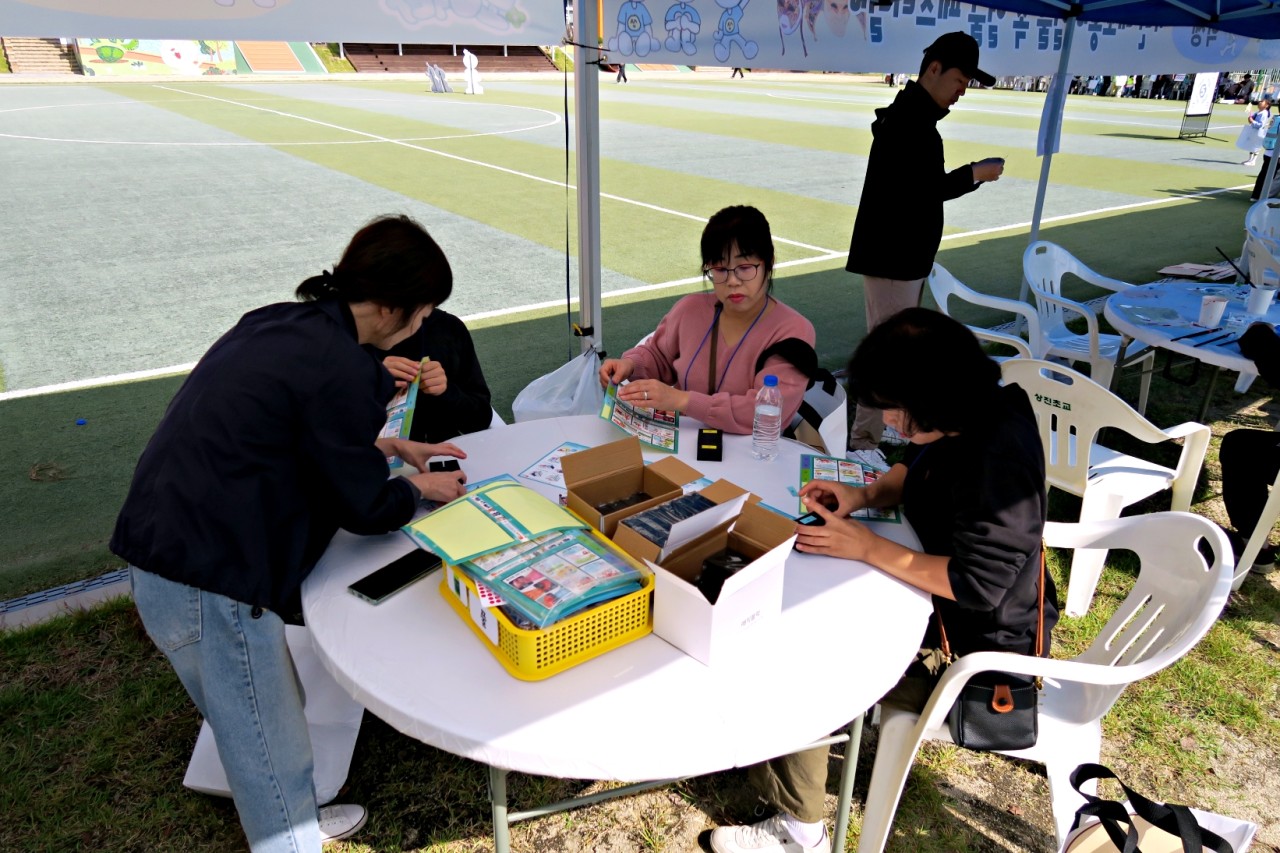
(1174, 819)
(711, 356)
(946, 646)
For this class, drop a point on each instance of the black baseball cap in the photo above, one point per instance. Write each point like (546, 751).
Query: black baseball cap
(958, 50)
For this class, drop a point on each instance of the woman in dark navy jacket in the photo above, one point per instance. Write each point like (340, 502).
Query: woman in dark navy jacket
(268, 448)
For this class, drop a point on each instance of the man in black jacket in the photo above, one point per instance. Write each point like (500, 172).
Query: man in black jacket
(899, 223)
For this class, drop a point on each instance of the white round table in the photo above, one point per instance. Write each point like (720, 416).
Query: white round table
(1163, 314)
(644, 711)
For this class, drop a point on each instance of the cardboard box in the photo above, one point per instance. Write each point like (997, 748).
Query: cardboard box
(750, 600)
(613, 471)
(721, 493)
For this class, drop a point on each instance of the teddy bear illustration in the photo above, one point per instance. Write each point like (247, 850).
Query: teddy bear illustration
(683, 24)
(184, 57)
(635, 30)
(728, 32)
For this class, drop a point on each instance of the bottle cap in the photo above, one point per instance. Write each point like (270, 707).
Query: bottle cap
(770, 380)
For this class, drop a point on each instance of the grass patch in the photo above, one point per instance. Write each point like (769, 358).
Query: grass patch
(333, 63)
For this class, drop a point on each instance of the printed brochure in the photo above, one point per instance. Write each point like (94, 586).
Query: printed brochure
(553, 576)
(815, 467)
(658, 429)
(547, 469)
(490, 518)
(400, 415)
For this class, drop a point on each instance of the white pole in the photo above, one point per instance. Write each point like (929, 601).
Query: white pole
(586, 107)
(1051, 123)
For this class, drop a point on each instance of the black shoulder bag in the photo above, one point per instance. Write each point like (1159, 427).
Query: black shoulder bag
(997, 710)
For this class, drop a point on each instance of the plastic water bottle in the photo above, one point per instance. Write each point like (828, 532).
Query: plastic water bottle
(767, 425)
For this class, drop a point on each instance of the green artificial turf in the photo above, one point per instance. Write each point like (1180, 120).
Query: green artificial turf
(61, 484)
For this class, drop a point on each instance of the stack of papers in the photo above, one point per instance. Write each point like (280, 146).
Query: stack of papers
(540, 560)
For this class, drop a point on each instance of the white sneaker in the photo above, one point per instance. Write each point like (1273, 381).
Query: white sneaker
(871, 458)
(769, 836)
(341, 821)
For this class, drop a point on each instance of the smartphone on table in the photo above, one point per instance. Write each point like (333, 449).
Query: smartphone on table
(385, 582)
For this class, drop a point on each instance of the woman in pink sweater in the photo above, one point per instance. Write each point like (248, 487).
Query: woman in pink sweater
(702, 358)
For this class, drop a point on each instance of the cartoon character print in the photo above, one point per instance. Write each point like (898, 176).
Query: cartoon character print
(683, 24)
(497, 16)
(184, 57)
(794, 14)
(837, 14)
(728, 32)
(635, 30)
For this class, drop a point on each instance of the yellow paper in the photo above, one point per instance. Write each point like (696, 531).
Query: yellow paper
(534, 512)
(461, 530)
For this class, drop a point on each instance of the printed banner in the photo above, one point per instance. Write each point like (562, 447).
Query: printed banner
(471, 22)
(130, 57)
(850, 35)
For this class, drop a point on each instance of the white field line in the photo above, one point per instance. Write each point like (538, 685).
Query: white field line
(827, 254)
(480, 163)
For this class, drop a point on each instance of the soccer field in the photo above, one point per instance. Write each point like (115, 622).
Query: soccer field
(143, 220)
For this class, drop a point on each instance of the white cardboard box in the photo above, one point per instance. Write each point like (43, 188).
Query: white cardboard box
(750, 600)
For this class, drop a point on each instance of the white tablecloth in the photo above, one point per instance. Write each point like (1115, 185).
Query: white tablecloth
(646, 710)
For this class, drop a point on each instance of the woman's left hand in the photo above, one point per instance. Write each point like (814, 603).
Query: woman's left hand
(837, 537)
(419, 453)
(653, 394)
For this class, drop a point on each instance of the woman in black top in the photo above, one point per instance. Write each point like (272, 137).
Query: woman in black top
(453, 397)
(973, 488)
(269, 447)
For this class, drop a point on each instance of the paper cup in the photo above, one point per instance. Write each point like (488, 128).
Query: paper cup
(1211, 309)
(1259, 300)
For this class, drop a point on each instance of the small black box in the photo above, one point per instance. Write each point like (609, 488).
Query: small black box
(710, 445)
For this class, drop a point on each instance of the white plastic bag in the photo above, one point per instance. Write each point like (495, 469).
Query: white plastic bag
(572, 389)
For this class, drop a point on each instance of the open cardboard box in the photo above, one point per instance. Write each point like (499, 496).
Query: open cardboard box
(613, 471)
(750, 600)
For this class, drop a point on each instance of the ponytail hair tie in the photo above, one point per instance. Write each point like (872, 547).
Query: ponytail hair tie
(329, 282)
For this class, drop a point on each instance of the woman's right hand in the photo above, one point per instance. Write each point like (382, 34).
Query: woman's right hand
(402, 369)
(840, 499)
(442, 486)
(615, 371)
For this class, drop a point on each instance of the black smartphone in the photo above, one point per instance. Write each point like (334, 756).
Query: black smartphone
(443, 465)
(385, 582)
(811, 519)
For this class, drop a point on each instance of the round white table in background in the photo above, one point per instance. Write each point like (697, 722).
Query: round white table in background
(644, 711)
(1163, 311)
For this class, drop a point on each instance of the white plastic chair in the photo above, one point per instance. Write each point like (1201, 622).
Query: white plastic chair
(823, 419)
(1173, 603)
(1264, 218)
(1044, 265)
(944, 287)
(1259, 258)
(1071, 409)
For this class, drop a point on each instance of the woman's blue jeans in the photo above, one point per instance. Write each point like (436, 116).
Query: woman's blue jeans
(234, 662)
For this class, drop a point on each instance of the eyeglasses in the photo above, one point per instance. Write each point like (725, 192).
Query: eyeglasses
(743, 272)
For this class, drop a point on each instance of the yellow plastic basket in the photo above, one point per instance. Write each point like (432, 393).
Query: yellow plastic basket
(532, 655)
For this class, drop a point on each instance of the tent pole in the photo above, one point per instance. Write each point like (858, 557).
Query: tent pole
(1051, 132)
(586, 107)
